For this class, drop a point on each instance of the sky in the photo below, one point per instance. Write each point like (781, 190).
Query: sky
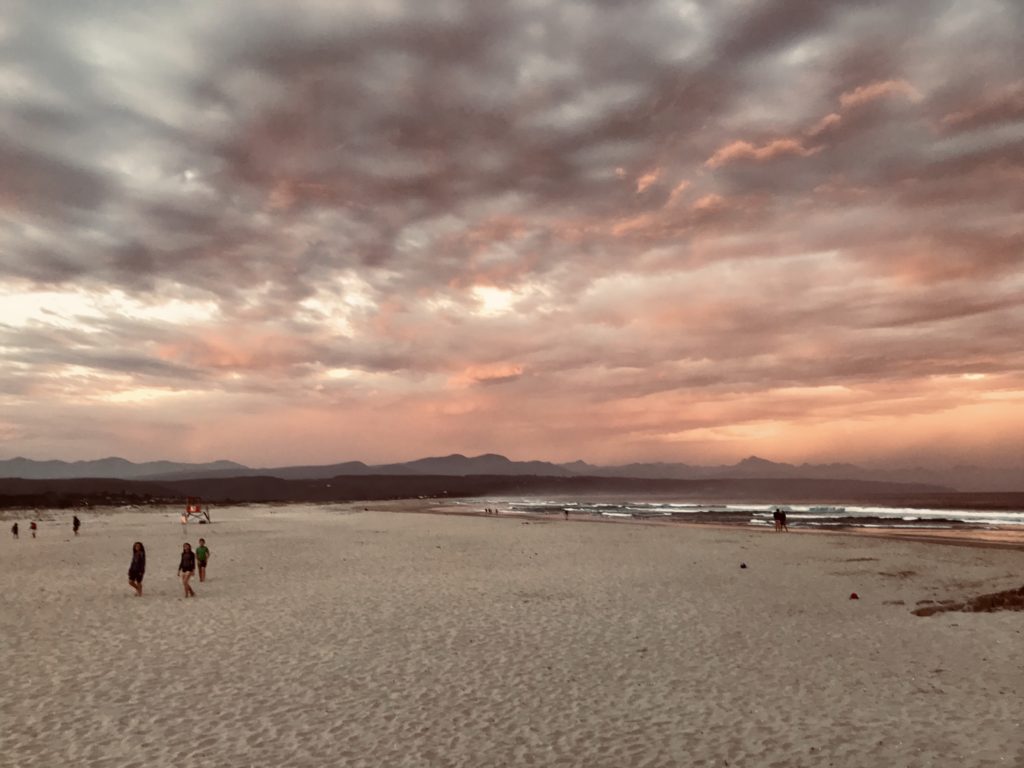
(310, 232)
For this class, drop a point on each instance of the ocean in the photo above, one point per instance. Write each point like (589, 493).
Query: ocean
(797, 515)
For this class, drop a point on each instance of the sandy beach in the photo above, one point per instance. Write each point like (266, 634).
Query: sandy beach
(330, 635)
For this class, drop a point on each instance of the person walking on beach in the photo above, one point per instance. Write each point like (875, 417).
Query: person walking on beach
(75, 524)
(14, 530)
(777, 516)
(202, 558)
(186, 568)
(782, 521)
(33, 527)
(138, 567)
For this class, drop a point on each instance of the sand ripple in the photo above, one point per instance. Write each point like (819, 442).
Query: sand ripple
(384, 639)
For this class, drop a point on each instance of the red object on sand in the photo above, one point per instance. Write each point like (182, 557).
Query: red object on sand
(854, 596)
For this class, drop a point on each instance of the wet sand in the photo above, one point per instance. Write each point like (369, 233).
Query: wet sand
(1005, 537)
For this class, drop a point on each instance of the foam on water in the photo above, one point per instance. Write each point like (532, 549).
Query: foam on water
(813, 515)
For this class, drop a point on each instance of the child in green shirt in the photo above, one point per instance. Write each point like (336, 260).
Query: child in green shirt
(202, 557)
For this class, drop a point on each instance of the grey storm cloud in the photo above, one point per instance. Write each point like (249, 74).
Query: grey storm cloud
(365, 139)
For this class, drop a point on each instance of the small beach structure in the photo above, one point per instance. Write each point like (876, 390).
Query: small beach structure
(194, 508)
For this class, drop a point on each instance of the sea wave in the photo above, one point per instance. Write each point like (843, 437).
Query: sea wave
(809, 515)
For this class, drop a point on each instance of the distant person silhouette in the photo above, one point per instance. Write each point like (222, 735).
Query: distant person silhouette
(75, 524)
(14, 530)
(782, 520)
(33, 527)
(138, 567)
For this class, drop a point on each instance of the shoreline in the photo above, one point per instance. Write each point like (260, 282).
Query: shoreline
(1010, 537)
(962, 537)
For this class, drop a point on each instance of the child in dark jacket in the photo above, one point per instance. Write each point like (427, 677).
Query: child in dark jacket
(138, 567)
(186, 568)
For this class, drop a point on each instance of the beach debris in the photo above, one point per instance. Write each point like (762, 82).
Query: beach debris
(854, 596)
(743, 565)
(1007, 600)
(898, 574)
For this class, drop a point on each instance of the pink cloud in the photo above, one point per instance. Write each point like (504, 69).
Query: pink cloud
(829, 121)
(236, 349)
(647, 180)
(873, 91)
(858, 97)
(488, 373)
(1006, 103)
(678, 189)
(744, 150)
(710, 202)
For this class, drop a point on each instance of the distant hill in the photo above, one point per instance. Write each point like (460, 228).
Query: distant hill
(318, 472)
(112, 467)
(487, 464)
(961, 478)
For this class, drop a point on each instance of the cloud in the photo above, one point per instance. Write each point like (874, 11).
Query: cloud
(645, 181)
(1000, 105)
(865, 94)
(617, 229)
(495, 373)
(744, 150)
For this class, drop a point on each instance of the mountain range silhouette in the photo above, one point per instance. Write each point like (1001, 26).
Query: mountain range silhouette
(959, 478)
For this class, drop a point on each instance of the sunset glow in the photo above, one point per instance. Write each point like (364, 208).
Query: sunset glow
(300, 234)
